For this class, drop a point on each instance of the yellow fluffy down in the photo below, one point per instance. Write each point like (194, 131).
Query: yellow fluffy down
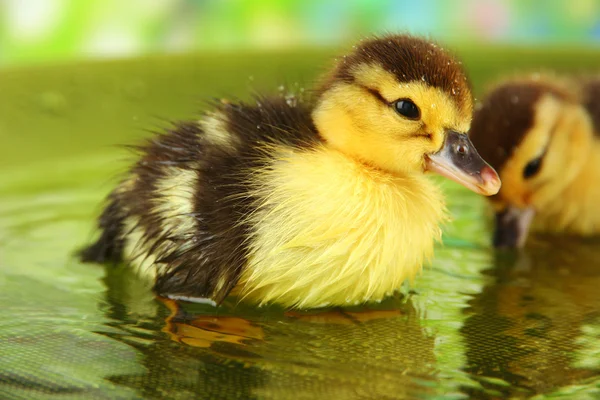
(332, 231)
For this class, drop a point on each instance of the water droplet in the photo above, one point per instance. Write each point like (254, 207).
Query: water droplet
(281, 88)
(291, 100)
(454, 91)
(433, 105)
(423, 78)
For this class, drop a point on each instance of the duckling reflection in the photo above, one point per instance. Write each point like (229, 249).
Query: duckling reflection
(525, 327)
(134, 300)
(205, 330)
(382, 352)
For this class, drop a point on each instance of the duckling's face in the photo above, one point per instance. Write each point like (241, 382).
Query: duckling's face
(536, 138)
(402, 105)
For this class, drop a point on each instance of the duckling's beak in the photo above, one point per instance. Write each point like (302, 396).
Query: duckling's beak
(458, 160)
(512, 226)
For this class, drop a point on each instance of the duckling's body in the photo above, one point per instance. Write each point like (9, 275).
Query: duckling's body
(551, 126)
(301, 204)
(305, 237)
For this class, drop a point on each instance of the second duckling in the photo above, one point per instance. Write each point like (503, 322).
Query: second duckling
(541, 132)
(303, 204)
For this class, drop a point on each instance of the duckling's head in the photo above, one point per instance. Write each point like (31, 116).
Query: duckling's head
(537, 135)
(402, 104)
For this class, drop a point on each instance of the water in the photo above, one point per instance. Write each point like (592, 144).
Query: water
(475, 323)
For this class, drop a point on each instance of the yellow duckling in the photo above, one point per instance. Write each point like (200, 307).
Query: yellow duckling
(303, 204)
(541, 133)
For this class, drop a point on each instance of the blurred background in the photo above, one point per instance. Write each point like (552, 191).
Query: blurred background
(81, 78)
(35, 31)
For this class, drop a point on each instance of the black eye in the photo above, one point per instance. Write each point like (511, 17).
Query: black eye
(407, 109)
(532, 167)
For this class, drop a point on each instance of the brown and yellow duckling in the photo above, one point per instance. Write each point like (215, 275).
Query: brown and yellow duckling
(303, 204)
(541, 133)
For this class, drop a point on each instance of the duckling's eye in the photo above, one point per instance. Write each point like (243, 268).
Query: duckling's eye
(532, 168)
(407, 108)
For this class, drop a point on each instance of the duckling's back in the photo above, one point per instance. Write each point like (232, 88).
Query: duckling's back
(177, 215)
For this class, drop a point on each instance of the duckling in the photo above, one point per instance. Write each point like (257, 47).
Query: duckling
(541, 133)
(305, 204)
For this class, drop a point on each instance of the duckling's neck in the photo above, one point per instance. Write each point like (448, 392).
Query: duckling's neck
(576, 209)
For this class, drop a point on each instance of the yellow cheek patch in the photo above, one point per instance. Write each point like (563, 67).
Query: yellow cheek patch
(360, 126)
(356, 122)
(438, 110)
(515, 188)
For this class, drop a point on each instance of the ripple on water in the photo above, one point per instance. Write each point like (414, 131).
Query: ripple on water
(474, 323)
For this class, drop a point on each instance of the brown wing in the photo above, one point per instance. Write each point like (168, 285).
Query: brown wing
(198, 253)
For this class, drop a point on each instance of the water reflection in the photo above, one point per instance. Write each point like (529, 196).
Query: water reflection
(523, 335)
(239, 352)
(532, 325)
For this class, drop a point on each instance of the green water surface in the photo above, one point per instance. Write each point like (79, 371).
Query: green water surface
(476, 323)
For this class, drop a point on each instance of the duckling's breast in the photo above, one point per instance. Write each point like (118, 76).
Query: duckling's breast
(330, 231)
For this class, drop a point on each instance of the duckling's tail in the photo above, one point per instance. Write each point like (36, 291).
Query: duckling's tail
(110, 244)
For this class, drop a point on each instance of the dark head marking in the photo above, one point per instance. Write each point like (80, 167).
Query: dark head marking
(504, 117)
(409, 59)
